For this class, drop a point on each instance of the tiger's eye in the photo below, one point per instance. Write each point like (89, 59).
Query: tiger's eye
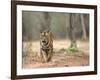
(42, 34)
(46, 33)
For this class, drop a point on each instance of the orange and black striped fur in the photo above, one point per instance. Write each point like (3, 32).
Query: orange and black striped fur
(46, 46)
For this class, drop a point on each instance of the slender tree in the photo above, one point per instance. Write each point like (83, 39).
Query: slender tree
(73, 45)
(45, 21)
(84, 36)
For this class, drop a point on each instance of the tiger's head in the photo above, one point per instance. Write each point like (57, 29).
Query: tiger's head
(44, 37)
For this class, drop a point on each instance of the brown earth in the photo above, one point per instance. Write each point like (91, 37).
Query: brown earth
(60, 58)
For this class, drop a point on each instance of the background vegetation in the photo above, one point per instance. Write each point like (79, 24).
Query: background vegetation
(60, 24)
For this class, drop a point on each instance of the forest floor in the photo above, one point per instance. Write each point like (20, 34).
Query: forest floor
(61, 57)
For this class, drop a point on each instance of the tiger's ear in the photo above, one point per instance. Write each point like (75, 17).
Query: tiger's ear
(48, 31)
(40, 31)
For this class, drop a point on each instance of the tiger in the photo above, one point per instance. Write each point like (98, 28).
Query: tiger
(46, 46)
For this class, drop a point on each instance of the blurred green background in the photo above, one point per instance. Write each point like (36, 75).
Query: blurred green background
(58, 23)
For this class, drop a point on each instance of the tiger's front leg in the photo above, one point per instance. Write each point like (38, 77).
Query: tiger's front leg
(50, 53)
(43, 56)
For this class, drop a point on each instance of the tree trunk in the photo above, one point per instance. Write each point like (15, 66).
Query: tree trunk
(45, 21)
(84, 36)
(73, 45)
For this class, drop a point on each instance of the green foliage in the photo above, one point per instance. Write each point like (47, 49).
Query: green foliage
(72, 48)
(29, 47)
(29, 51)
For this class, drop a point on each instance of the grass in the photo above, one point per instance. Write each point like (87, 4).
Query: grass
(72, 48)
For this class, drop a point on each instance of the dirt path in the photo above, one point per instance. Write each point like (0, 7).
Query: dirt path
(60, 58)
